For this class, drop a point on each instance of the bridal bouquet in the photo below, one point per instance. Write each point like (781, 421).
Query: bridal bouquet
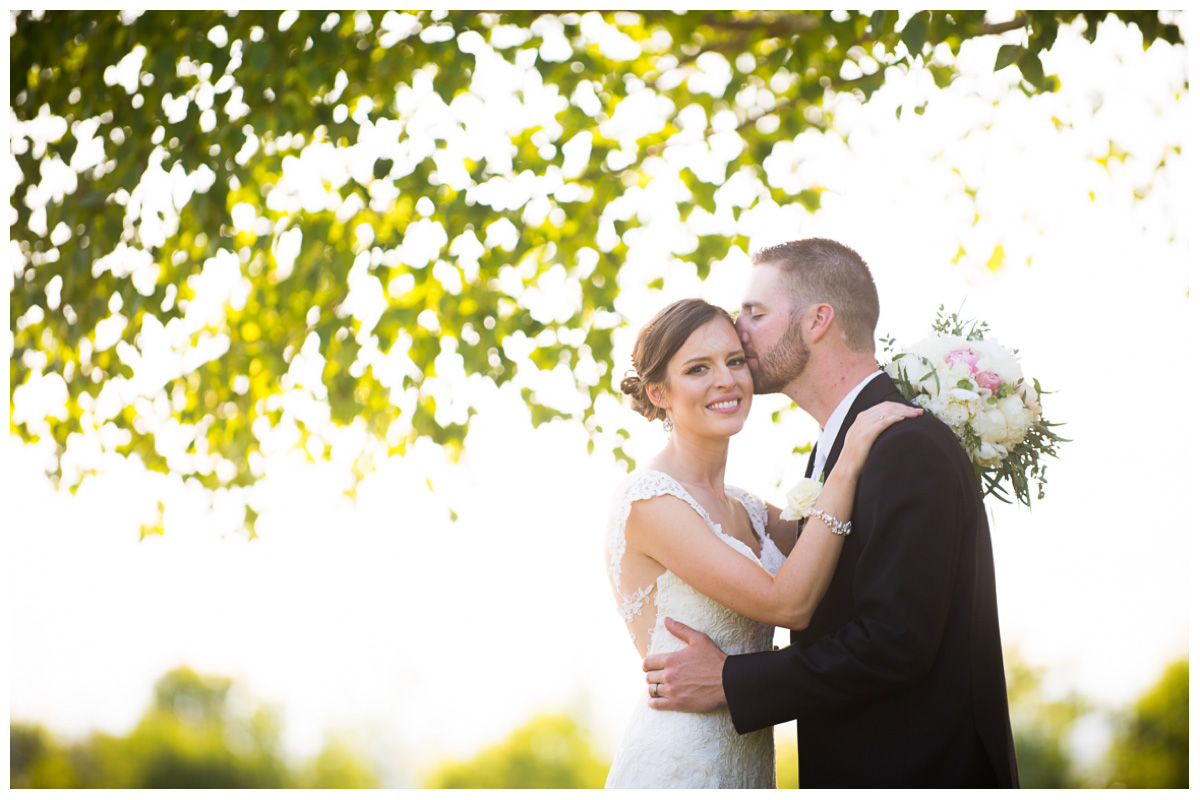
(975, 385)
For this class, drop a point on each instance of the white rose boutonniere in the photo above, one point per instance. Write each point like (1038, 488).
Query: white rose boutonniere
(801, 500)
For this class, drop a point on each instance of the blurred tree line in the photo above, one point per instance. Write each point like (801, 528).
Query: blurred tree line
(551, 751)
(1152, 744)
(192, 736)
(231, 231)
(1149, 746)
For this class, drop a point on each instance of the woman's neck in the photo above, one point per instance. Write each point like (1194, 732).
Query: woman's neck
(696, 461)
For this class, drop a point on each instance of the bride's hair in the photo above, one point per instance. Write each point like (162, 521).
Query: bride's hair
(657, 343)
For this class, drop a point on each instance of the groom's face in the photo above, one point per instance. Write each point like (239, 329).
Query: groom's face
(771, 331)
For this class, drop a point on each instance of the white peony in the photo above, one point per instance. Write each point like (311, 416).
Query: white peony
(990, 455)
(955, 407)
(954, 372)
(991, 425)
(1017, 419)
(913, 368)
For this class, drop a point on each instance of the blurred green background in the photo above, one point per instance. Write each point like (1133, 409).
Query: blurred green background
(192, 736)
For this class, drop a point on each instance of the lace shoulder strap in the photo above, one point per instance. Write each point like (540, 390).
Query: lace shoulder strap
(641, 485)
(756, 509)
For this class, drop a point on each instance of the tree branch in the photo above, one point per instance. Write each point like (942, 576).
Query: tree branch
(783, 24)
(726, 46)
(1019, 21)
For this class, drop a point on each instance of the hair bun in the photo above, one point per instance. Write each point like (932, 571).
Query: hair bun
(631, 384)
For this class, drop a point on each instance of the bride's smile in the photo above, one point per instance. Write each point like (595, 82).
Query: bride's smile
(726, 405)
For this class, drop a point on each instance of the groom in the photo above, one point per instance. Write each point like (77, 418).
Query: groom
(898, 679)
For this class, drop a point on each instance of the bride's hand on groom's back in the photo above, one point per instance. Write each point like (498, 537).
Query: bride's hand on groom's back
(866, 428)
(688, 679)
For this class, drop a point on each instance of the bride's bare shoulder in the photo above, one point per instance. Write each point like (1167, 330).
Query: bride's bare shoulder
(659, 504)
(661, 513)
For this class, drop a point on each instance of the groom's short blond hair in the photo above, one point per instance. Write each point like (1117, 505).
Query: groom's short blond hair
(824, 271)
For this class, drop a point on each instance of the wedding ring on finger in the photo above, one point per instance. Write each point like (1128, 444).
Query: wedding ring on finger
(654, 690)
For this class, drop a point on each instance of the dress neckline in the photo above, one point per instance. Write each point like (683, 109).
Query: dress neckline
(739, 495)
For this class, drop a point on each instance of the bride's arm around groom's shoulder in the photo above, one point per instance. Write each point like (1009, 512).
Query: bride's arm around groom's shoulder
(667, 530)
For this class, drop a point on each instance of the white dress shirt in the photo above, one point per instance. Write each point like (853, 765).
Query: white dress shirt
(834, 424)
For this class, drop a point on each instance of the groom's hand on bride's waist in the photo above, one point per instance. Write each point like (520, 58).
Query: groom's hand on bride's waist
(688, 679)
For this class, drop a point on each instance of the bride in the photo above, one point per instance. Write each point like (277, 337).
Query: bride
(682, 544)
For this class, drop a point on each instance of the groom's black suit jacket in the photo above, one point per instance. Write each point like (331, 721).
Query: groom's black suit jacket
(898, 681)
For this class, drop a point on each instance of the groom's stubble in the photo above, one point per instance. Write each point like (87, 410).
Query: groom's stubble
(784, 362)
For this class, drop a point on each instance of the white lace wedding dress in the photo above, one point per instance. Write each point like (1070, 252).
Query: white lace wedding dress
(672, 749)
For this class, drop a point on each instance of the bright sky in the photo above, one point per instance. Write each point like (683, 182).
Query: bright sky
(436, 638)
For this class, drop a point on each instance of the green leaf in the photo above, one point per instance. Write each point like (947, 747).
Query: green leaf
(810, 199)
(883, 23)
(915, 32)
(1007, 56)
(1031, 68)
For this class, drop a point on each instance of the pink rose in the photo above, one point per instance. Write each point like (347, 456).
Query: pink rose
(968, 357)
(988, 380)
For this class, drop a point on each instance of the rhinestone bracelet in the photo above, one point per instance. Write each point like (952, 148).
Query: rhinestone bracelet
(835, 525)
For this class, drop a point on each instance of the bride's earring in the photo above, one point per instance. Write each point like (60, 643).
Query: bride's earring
(652, 392)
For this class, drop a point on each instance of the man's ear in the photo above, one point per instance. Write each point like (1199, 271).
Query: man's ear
(820, 321)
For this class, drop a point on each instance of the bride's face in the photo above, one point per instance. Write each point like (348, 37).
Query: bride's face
(709, 386)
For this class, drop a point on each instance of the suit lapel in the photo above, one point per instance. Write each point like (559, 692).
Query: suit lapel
(874, 393)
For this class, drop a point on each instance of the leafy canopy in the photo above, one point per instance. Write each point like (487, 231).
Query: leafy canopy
(233, 231)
